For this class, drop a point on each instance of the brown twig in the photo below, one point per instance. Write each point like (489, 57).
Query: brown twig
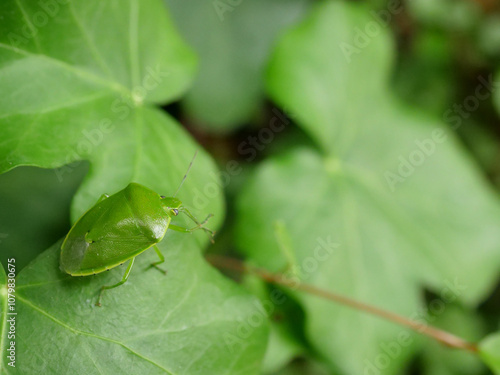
(443, 337)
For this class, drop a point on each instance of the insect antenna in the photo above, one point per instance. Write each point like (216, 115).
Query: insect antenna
(184, 178)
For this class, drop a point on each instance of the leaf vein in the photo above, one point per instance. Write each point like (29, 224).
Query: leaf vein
(89, 334)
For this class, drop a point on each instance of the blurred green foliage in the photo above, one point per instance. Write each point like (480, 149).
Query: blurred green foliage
(234, 40)
(35, 206)
(232, 65)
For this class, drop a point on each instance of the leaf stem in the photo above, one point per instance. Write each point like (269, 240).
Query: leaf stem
(440, 335)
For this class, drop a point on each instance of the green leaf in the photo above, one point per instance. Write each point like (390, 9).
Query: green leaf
(439, 360)
(331, 225)
(355, 230)
(233, 40)
(489, 350)
(78, 95)
(154, 324)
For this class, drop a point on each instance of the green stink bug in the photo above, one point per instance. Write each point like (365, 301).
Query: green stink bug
(120, 227)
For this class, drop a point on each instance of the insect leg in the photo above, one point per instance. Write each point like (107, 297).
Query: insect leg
(198, 224)
(191, 216)
(190, 230)
(124, 279)
(162, 259)
(180, 229)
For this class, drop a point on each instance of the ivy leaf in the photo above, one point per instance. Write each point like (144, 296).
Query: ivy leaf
(388, 204)
(76, 95)
(154, 324)
(331, 229)
(233, 40)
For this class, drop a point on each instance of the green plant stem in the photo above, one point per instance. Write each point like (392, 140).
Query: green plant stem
(440, 335)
